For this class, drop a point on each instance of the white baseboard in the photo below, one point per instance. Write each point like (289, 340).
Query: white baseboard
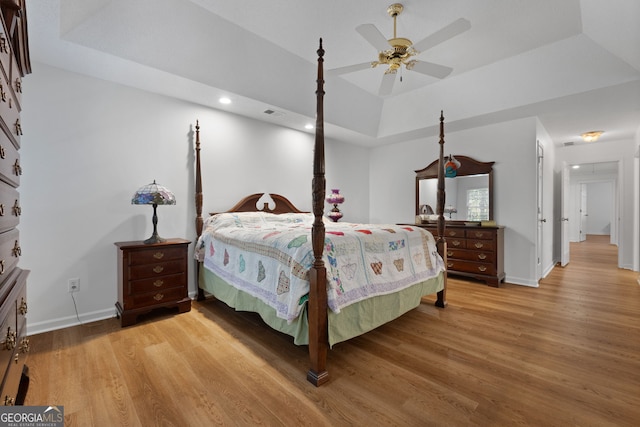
(520, 281)
(69, 321)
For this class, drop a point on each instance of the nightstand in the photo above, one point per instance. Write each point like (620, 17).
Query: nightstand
(151, 276)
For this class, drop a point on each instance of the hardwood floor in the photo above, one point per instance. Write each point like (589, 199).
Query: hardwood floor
(566, 353)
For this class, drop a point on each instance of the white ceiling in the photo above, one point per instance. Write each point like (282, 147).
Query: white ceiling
(575, 64)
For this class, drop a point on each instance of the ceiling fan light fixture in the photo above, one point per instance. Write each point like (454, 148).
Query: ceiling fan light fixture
(398, 52)
(591, 136)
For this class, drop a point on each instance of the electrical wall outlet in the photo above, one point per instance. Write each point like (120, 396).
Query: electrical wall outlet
(74, 285)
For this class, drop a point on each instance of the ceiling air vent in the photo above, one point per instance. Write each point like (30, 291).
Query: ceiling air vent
(567, 144)
(273, 113)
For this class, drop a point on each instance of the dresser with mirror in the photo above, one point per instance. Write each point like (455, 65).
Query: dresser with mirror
(475, 243)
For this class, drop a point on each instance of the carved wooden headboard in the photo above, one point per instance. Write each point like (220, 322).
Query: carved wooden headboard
(250, 204)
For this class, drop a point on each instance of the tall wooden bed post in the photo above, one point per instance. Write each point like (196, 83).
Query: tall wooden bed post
(198, 200)
(317, 305)
(441, 243)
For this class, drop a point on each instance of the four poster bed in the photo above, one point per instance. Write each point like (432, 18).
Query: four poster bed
(318, 281)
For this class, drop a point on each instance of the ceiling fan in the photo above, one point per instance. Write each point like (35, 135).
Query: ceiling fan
(399, 51)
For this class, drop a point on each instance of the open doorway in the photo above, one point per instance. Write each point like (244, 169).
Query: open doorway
(593, 202)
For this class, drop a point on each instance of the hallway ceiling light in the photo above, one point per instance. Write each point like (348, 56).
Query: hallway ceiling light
(592, 136)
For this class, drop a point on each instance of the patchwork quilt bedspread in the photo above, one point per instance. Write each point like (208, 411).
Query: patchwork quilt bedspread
(269, 257)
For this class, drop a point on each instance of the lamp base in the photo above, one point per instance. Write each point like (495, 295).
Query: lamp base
(154, 239)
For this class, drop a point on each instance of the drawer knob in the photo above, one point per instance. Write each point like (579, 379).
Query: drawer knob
(3, 44)
(9, 401)
(158, 297)
(17, 210)
(24, 345)
(10, 340)
(158, 269)
(3, 94)
(449, 265)
(18, 127)
(479, 233)
(452, 233)
(455, 242)
(17, 169)
(3, 154)
(1, 266)
(479, 245)
(158, 255)
(23, 307)
(449, 253)
(1, 209)
(158, 283)
(18, 85)
(482, 256)
(482, 268)
(16, 251)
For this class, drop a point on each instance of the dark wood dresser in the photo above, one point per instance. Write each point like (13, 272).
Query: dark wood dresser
(14, 344)
(151, 276)
(474, 251)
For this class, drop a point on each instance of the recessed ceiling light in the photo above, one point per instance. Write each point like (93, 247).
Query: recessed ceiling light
(576, 166)
(308, 126)
(224, 100)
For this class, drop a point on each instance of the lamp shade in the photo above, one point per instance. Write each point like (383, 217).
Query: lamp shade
(153, 194)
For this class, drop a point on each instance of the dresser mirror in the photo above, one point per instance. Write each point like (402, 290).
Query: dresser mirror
(468, 190)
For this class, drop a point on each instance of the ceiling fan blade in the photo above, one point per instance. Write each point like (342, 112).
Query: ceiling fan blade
(430, 69)
(373, 36)
(386, 86)
(458, 26)
(348, 69)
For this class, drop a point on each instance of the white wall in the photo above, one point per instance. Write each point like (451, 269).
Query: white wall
(512, 145)
(89, 144)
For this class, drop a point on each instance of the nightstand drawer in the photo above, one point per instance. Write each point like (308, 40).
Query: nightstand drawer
(155, 255)
(158, 297)
(157, 283)
(156, 269)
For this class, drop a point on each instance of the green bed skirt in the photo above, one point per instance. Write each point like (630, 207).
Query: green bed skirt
(353, 320)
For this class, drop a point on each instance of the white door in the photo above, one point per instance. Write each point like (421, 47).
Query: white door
(583, 212)
(541, 218)
(564, 215)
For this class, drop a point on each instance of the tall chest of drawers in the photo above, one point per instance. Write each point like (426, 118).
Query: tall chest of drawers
(14, 65)
(474, 251)
(151, 276)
